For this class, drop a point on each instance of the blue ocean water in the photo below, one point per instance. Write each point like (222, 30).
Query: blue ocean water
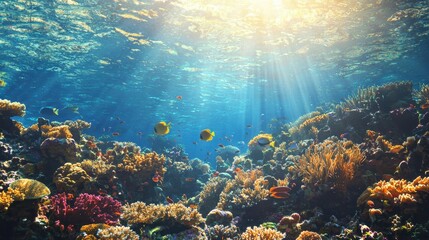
(236, 65)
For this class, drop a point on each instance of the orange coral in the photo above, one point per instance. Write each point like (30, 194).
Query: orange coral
(329, 162)
(397, 191)
(11, 109)
(261, 233)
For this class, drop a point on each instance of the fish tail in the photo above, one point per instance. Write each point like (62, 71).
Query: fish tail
(212, 133)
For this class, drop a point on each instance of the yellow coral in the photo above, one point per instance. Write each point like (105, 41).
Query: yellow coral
(312, 122)
(32, 189)
(329, 162)
(139, 212)
(70, 178)
(308, 235)
(7, 198)
(11, 109)
(261, 233)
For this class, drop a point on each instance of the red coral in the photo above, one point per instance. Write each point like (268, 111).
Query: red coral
(85, 209)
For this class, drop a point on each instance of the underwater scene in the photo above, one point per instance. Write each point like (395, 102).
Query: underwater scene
(214, 119)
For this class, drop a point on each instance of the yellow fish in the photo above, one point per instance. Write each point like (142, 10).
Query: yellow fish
(2, 83)
(162, 128)
(207, 135)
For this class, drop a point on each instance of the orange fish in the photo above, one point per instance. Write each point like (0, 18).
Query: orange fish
(193, 206)
(215, 174)
(425, 106)
(370, 203)
(279, 195)
(279, 189)
(169, 200)
(237, 170)
(179, 98)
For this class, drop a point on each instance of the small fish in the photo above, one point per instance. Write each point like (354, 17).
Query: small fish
(221, 145)
(169, 200)
(179, 98)
(2, 83)
(279, 195)
(370, 203)
(49, 111)
(215, 174)
(115, 133)
(344, 135)
(237, 151)
(194, 142)
(263, 141)
(279, 189)
(189, 179)
(162, 128)
(424, 106)
(237, 170)
(249, 125)
(72, 109)
(156, 178)
(207, 135)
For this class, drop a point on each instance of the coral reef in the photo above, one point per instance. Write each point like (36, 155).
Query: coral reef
(308, 235)
(331, 163)
(7, 198)
(139, 212)
(118, 232)
(68, 212)
(261, 233)
(10, 109)
(71, 178)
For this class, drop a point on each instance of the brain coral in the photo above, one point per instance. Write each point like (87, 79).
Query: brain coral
(70, 178)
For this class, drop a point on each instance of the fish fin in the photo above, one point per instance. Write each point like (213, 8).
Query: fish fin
(55, 110)
(213, 134)
(272, 144)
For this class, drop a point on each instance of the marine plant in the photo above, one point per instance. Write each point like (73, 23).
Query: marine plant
(333, 163)
(262, 233)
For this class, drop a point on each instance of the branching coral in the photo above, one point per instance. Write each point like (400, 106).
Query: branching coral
(139, 212)
(71, 178)
(332, 163)
(67, 211)
(422, 94)
(7, 198)
(11, 109)
(261, 233)
(118, 232)
(245, 190)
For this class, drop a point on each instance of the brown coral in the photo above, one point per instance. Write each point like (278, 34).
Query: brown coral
(308, 235)
(332, 163)
(261, 233)
(11, 109)
(139, 212)
(61, 131)
(71, 178)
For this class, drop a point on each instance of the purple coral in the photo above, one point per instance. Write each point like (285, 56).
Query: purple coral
(86, 209)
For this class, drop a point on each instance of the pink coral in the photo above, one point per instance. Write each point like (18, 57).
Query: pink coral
(86, 209)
